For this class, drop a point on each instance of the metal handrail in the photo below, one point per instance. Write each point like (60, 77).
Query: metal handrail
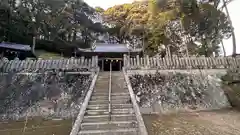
(110, 91)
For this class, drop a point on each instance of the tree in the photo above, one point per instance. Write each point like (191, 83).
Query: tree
(99, 9)
(52, 22)
(202, 22)
(232, 29)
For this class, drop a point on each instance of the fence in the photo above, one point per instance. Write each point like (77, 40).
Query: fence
(175, 62)
(30, 65)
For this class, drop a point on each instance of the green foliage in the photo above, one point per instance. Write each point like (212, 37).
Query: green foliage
(99, 9)
(231, 84)
(52, 21)
(47, 55)
(174, 23)
(232, 77)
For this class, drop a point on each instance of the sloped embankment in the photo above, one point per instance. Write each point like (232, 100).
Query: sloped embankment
(231, 85)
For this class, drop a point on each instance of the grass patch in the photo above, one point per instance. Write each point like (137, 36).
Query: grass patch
(47, 55)
(36, 126)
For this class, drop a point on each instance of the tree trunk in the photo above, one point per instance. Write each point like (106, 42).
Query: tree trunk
(224, 51)
(233, 34)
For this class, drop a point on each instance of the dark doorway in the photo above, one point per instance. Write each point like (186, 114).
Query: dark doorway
(101, 64)
(116, 65)
(105, 65)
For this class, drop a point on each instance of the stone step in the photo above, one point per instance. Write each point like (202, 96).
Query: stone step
(112, 94)
(113, 111)
(101, 90)
(117, 90)
(102, 85)
(113, 106)
(103, 79)
(120, 93)
(112, 97)
(129, 131)
(114, 117)
(118, 101)
(121, 97)
(99, 98)
(108, 125)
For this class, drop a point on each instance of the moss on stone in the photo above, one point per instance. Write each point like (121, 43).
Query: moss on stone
(231, 85)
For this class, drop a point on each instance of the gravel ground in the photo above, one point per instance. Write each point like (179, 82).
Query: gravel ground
(190, 93)
(218, 122)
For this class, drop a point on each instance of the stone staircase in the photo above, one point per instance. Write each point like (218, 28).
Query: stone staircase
(116, 117)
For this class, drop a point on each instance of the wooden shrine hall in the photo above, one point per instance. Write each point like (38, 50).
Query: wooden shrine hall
(12, 51)
(110, 55)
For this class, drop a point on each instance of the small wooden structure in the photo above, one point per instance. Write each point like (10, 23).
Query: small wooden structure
(110, 55)
(12, 51)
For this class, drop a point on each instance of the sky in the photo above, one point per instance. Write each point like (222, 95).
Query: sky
(233, 9)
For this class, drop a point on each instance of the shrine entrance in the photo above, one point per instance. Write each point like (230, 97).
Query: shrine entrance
(113, 63)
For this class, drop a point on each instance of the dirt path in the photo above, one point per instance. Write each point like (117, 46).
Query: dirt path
(219, 122)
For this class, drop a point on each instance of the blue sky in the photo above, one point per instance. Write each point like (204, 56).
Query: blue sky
(233, 9)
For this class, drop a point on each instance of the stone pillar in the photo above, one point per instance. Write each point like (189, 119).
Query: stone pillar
(158, 61)
(102, 64)
(120, 65)
(131, 63)
(177, 61)
(154, 62)
(82, 61)
(147, 61)
(128, 61)
(23, 65)
(138, 61)
(187, 62)
(93, 61)
(10, 65)
(89, 63)
(96, 62)
(79, 61)
(28, 64)
(125, 60)
(135, 62)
